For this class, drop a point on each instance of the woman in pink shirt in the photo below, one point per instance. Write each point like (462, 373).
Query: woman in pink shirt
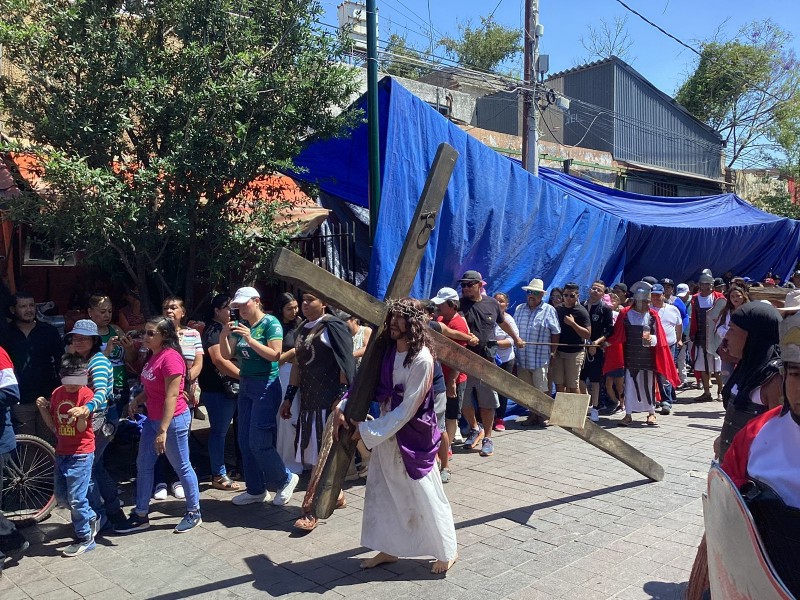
(166, 429)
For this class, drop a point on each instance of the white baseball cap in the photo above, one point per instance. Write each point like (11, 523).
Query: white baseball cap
(244, 294)
(682, 290)
(443, 295)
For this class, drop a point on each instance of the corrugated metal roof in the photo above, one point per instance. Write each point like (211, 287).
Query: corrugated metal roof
(622, 64)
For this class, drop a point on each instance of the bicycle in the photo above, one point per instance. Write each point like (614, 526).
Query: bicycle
(29, 480)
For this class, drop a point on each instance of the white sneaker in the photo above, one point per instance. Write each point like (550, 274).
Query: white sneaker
(245, 498)
(285, 493)
(458, 438)
(177, 490)
(594, 415)
(161, 492)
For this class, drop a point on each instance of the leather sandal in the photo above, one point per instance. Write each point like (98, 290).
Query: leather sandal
(225, 483)
(341, 502)
(306, 523)
(651, 420)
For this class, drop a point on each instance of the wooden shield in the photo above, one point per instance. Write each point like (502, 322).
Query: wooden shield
(712, 319)
(738, 566)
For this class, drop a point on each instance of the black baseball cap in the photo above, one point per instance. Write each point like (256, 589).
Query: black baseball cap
(621, 286)
(470, 276)
(667, 281)
(650, 279)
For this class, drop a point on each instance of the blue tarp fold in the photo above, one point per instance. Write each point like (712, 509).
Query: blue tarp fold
(511, 226)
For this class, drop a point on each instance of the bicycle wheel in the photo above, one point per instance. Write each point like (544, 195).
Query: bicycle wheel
(29, 480)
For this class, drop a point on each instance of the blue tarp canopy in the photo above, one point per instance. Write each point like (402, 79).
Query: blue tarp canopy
(511, 226)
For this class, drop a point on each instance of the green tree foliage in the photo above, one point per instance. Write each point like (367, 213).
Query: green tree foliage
(401, 59)
(740, 86)
(152, 117)
(484, 47)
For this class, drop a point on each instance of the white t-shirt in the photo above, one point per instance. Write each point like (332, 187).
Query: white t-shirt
(505, 354)
(670, 318)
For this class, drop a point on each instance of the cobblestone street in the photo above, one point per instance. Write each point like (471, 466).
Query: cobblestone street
(547, 516)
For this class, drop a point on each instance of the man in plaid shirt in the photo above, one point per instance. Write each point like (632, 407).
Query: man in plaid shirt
(538, 326)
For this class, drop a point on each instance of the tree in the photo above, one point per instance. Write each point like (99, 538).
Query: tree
(401, 59)
(607, 39)
(150, 126)
(739, 87)
(485, 47)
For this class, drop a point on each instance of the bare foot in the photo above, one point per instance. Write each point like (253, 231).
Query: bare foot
(442, 566)
(379, 559)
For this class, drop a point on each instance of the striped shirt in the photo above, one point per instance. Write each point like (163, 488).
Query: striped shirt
(9, 396)
(100, 381)
(535, 327)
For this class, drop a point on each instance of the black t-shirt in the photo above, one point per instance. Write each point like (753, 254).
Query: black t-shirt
(210, 379)
(36, 358)
(568, 334)
(482, 317)
(602, 319)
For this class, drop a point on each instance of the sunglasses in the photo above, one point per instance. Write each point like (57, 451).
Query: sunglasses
(535, 293)
(469, 284)
(570, 295)
(149, 332)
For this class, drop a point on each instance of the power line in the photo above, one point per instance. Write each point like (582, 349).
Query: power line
(661, 29)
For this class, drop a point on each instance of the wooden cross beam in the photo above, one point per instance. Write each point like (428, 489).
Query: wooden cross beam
(334, 460)
(357, 302)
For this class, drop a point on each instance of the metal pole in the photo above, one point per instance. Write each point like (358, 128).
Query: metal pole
(534, 78)
(527, 70)
(530, 142)
(372, 119)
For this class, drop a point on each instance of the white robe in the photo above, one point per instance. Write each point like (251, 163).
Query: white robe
(287, 428)
(403, 516)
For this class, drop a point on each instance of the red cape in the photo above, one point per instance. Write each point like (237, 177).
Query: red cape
(735, 461)
(664, 363)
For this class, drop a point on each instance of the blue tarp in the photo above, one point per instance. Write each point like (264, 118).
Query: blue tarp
(511, 226)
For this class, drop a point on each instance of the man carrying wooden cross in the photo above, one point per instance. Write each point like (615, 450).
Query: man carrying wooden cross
(406, 512)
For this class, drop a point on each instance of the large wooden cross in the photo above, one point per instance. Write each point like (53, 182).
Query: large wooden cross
(328, 476)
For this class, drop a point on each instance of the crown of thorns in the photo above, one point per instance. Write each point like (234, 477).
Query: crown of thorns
(404, 308)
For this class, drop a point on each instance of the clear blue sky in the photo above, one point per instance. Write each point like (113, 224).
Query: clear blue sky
(661, 60)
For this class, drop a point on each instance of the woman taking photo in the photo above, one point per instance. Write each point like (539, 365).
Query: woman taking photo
(256, 340)
(219, 386)
(166, 428)
(103, 494)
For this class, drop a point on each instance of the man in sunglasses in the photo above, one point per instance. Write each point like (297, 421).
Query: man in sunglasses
(538, 326)
(575, 329)
(482, 313)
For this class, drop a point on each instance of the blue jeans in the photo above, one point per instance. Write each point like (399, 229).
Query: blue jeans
(177, 451)
(103, 490)
(220, 414)
(665, 387)
(72, 486)
(258, 406)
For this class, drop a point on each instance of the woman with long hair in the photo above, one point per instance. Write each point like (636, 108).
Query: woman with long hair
(736, 297)
(287, 311)
(505, 356)
(166, 428)
(256, 340)
(219, 390)
(191, 348)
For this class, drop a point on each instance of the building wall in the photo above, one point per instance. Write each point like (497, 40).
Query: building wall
(751, 184)
(581, 125)
(650, 130)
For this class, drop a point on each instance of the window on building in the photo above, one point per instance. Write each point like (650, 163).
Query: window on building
(665, 189)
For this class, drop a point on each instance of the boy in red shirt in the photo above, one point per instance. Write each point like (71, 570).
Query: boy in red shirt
(74, 448)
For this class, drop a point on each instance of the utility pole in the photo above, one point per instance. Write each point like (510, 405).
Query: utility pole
(372, 119)
(530, 130)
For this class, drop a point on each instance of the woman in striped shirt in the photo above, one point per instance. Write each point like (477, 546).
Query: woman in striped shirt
(85, 340)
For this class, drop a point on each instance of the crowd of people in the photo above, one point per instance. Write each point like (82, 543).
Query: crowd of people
(279, 373)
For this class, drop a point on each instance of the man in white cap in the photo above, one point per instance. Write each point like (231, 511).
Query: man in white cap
(791, 304)
(537, 322)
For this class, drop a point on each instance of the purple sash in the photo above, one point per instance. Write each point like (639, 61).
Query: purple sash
(418, 439)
